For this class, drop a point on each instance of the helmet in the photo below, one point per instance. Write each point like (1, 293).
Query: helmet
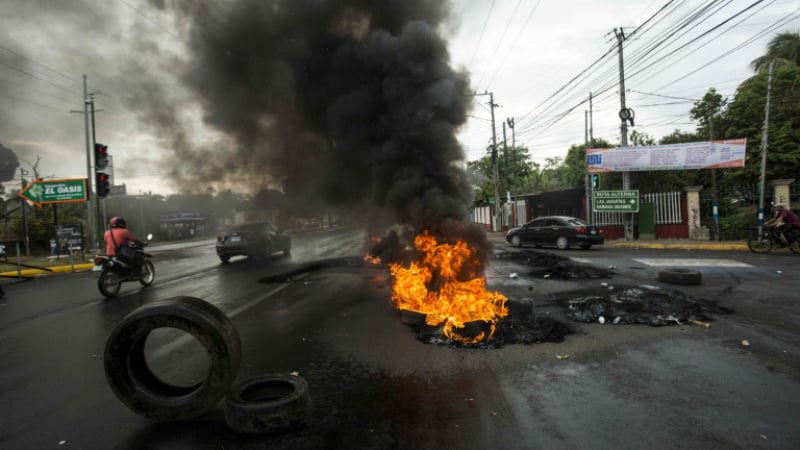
(118, 222)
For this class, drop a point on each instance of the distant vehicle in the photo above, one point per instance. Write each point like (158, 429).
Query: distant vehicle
(561, 231)
(256, 239)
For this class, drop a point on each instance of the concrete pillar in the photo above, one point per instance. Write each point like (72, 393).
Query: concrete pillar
(781, 191)
(696, 230)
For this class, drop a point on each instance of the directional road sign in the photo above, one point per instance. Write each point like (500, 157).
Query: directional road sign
(616, 201)
(65, 190)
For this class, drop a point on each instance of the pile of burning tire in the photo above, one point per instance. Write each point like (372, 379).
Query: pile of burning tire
(258, 405)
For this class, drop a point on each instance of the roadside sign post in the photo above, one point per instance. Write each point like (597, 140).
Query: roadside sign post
(617, 201)
(46, 192)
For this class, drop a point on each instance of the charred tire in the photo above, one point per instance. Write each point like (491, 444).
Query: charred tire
(266, 404)
(149, 274)
(516, 241)
(680, 276)
(143, 392)
(562, 243)
(109, 282)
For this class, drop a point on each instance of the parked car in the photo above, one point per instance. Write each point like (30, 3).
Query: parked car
(256, 239)
(561, 231)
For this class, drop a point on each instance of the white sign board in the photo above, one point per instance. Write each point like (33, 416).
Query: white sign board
(687, 156)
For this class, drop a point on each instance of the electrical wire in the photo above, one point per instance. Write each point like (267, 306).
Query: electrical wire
(499, 43)
(480, 38)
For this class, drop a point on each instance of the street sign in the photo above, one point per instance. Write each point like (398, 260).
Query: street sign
(616, 201)
(65, 190)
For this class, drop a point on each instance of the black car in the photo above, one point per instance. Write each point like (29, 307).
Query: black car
(256, 239)
(561, 231)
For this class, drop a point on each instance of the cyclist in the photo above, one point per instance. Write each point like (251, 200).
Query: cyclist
(785, 221)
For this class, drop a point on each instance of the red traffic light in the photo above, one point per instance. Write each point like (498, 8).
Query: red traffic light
(100, 156)
(103, 184)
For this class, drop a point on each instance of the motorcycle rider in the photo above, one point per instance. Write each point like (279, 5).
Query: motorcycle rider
(118, 234)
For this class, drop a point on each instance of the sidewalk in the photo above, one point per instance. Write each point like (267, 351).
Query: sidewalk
(82, 265)
(673, 244)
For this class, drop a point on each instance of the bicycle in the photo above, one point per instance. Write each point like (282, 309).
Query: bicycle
(762, 241)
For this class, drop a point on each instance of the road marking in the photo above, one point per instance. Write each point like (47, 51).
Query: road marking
(691, 262)
(166, 349)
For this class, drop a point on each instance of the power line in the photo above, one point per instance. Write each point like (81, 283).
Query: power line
(40, 79)
(480, 38)
(499, 42)
(67, 77)
(511, 47)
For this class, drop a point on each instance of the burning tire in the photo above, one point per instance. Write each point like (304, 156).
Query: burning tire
(266, 404)
(680, 276)
(142, 391)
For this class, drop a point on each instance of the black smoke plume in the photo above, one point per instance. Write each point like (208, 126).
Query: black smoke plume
(340, 102)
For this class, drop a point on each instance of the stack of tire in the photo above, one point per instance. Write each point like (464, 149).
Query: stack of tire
(259, 405)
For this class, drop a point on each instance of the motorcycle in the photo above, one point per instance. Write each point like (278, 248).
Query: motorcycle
(114, 272)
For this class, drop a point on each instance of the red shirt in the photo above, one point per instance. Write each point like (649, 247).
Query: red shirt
(121, 236)
(788, 217)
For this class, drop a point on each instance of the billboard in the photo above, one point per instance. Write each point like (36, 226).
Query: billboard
(688, 156)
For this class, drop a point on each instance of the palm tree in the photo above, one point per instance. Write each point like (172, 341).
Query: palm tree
(783, 48)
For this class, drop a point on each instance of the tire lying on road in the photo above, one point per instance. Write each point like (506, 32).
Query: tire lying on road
(680, 276)
(131, 379)
(267, 404)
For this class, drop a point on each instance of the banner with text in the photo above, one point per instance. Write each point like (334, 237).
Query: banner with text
(688, 156)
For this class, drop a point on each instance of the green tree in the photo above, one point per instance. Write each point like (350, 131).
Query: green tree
(706, 113)
(744, 118)
(513, 170)
(783, 48)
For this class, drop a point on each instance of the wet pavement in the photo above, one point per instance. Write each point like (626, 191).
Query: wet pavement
(375, 384)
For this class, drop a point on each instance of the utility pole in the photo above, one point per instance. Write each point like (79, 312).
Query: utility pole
(505, 165)
(98, 223)
(90, 223)
(590, 190)
(22, 205)
(510, 122)
(587, 181)
(714, 193)
(497, 223)
(624, 116)
(764, 153)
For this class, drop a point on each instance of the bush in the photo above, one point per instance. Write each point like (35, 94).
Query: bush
(736, 225)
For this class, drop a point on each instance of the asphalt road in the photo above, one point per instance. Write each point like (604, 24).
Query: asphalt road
(373, 384)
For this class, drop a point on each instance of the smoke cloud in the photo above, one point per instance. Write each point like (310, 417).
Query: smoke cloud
(339, 102)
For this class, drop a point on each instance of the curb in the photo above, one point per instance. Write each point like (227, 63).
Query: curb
(733, 246)
(54, 269)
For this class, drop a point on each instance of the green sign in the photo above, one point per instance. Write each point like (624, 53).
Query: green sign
(616, 201)
(45, 192)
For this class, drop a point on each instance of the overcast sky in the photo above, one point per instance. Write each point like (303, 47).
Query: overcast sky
(540, 59)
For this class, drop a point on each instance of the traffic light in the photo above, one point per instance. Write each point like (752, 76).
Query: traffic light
(103, 184)
(100, 156)
(595, 180)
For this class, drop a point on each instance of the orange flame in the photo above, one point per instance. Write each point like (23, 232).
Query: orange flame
(431, 287)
